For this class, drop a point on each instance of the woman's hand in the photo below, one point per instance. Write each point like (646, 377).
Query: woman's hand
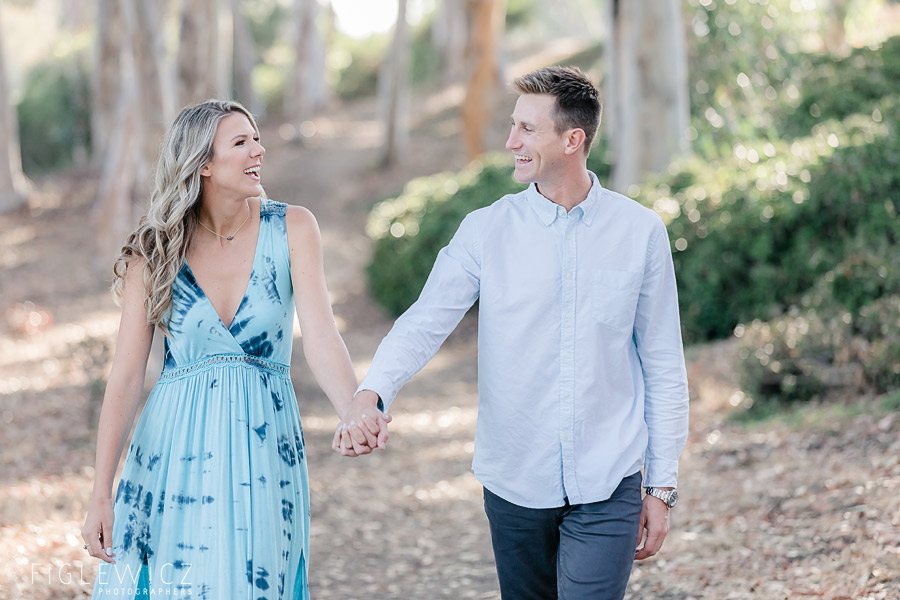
(363, 427)
(97, 530)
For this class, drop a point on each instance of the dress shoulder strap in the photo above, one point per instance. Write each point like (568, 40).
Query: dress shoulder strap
(273, 228)
(271, 207)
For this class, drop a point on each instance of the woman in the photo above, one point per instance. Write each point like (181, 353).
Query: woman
(213, 500)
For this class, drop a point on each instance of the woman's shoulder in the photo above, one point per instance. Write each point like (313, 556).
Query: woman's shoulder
(301, 225)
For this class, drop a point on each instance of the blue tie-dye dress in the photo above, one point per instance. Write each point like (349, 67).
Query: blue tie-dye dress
(213, 501)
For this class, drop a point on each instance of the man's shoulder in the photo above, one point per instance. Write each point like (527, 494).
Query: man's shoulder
(629, 207)
(502, 206)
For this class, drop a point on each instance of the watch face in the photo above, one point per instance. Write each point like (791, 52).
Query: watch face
(673, 498)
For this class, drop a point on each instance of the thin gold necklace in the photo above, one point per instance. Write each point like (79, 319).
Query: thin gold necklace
(227, 237)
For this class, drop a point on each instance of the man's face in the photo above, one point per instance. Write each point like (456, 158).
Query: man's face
(533, 140)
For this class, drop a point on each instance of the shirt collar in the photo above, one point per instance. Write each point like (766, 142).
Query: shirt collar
(547, 211)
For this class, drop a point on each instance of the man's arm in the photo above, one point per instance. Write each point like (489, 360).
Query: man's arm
(451, 289)
(657, 334)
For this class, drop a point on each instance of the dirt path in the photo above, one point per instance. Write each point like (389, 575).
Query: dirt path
(804, 508)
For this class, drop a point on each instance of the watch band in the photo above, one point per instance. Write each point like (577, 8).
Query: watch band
(669, 497)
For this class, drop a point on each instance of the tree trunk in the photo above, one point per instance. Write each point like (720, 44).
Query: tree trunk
(245, 58)
(106, 76)
(14, 186)
(155, 83)
(197, 51)
(486, 82)
(835, 36)
(223, 53)
(395, 75)
(131, 148)
(449, 33)
(305, 89)
(647, 104)
(76, 16)
(113, 213)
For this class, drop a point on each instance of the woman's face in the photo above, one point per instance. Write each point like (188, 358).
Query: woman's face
(237, 160)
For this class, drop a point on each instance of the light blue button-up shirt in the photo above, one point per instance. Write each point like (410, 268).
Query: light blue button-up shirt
(581, 373)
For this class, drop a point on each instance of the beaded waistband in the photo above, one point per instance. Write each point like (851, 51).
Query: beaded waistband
(226, 359)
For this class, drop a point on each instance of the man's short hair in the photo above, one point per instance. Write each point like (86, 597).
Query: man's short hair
(577, 100)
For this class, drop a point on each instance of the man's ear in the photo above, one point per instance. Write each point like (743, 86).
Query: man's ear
(575, 139)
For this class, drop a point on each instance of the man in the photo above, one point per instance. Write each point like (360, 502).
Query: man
(581, 369)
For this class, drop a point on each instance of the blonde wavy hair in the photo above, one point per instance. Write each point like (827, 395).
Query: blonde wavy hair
(163, 235)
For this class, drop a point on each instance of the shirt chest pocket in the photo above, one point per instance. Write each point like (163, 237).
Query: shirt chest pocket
(614, 296)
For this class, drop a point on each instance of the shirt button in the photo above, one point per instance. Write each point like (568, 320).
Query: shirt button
(568, 315)
(567, 355)
(568, 276)
(567, 395)
(569, 236)
(565, 436)
(587, 221)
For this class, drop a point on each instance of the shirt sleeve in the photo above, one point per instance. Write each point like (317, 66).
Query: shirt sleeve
(657, 335)
(451, 289)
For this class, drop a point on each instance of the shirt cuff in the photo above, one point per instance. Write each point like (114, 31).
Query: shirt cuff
(661, 473)
(385, 391)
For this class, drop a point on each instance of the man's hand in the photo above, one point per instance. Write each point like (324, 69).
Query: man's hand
(363, 427)
(653, 529)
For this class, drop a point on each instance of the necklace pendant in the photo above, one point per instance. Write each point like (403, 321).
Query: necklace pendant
(229, 238)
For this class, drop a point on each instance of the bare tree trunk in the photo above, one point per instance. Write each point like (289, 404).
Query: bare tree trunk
(155, 83)
(486, 82)
(140, 121)
(14, 186)
(835, 36)
(647, 105)
(395, 74)
(245, 58)
(223, 52)
(449, 33)
(305, 89)
(113, 213)
(197, 51)
(106, 76)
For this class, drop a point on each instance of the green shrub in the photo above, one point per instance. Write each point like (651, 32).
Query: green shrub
(830, 340)
(753, 231)
(357, 64)
(55, 113)
(836, 89)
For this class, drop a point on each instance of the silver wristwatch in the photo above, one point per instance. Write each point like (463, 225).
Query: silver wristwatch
(670, 497)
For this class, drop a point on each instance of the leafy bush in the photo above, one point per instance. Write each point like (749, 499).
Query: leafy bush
(823, 343)
(356, 64)
(836, 89)
(754, 231)
(60, 87)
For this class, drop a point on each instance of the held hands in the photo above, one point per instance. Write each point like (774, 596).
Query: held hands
(653, 528)
(363, 427)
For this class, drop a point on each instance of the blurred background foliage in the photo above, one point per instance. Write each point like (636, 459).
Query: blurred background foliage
(782, 219)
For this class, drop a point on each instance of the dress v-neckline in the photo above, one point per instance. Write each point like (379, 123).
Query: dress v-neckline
(249, 278)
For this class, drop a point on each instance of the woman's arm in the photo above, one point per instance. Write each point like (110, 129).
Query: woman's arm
(120, 401)
(323, 346)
